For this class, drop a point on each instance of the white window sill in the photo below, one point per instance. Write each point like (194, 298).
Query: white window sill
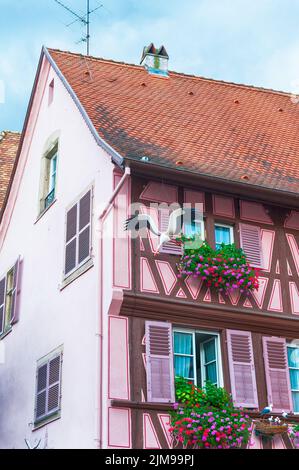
(47, 420)
(42, 213)
(6, 332)
(74, 275)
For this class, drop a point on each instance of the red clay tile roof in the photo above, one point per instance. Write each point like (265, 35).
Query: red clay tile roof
(9, 142)
(237, 132)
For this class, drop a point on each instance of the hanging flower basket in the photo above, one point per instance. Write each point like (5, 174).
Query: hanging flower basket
(226, 269)
(264, 427)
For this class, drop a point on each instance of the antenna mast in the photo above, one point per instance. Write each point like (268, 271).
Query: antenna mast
(84, 19)
(88, 27)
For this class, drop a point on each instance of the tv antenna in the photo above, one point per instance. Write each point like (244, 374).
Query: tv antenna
(83, 19)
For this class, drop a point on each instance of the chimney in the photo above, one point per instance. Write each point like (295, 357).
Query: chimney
(155, 61)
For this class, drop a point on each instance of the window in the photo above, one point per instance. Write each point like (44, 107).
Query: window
(48, 387)
(9, 298)
(48, 178)
(293, 361)
(194, 228)
(169, 247)
(78, 234)
(189, 229)
(223, 234)
(196, 356)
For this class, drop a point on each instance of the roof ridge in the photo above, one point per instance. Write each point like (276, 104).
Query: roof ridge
(191, 76)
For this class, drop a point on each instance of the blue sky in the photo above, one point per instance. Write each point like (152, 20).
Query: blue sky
(245, 41)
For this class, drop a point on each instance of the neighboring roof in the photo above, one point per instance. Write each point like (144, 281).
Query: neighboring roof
(236, 132)
(9, 142)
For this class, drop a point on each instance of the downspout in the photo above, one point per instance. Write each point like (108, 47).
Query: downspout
(100, 326)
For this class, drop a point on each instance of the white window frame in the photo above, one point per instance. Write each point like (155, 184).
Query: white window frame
(218, 353)
(203, 364)
(76, 236)
(192, 333)
(6, 326)
(293, 346)
(53, 173)
(231, 231)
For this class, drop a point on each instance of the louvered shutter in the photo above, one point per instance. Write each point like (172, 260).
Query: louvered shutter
(250, 239)
(84, 227)
(2, 304)
(54, 384)
(41, 391)
(277, 374)
(15, 306)
(159, 362)
(71, 239)
(48, 388)
(242, 370)
(169, 247)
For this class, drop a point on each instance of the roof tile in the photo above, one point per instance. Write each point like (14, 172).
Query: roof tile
(9, 142)
(222, 129)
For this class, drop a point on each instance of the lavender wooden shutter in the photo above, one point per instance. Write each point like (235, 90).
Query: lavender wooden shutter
(15, 306)
(250, 239)
(241, 366)
(54, 384)
(277, 374)
(159, 362)
(169, 247)
(71, 240)
(41, 392)
(2, 304)
(84, 227)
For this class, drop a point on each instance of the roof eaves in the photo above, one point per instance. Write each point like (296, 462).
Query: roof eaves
(229, 185)
(116, 157)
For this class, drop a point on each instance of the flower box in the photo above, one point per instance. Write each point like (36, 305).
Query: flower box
(226, 269)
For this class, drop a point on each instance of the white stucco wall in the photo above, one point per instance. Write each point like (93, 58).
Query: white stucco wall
(50, 317)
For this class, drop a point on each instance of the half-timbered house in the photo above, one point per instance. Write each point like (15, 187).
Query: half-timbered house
(143, 134)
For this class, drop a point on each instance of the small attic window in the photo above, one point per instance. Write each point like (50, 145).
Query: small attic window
(51, 92)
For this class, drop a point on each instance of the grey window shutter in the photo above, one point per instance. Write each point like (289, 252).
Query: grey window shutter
(2, 304)
(48, 388)
(15, 307)
(54, 384)
(84, 227)
(71, 240)
(41, 392)
(159, 362)
(84, 210)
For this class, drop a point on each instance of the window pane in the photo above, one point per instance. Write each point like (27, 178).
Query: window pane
(183, 366)
(211, 372)
(183, 343)
(222, 235)
(293, 357)
(296, 401)
(192, 228)
(210, 351)
(294, 375)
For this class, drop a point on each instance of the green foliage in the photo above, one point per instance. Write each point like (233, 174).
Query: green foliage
(188, 393)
